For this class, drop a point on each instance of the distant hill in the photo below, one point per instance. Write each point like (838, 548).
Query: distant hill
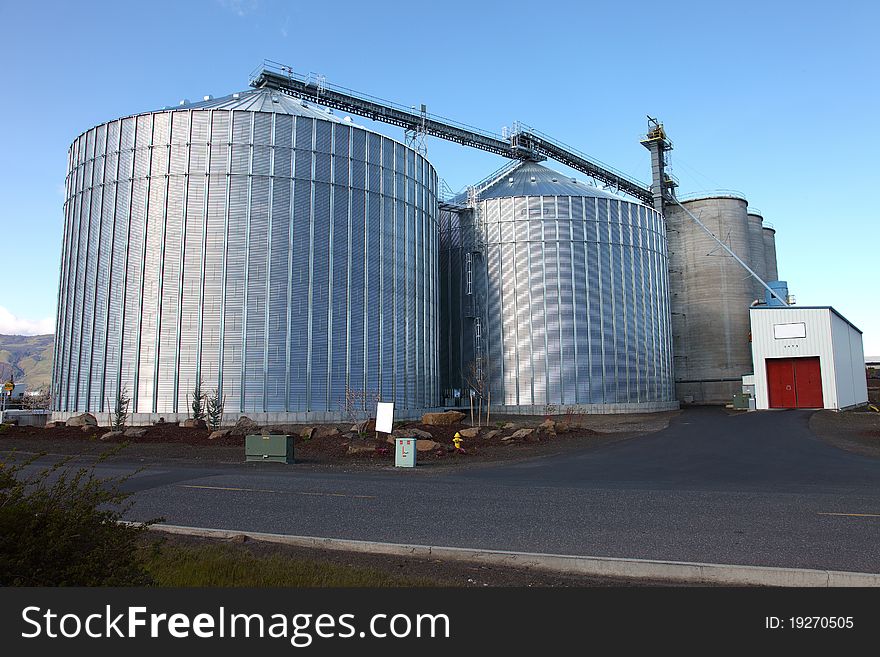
(28, 358)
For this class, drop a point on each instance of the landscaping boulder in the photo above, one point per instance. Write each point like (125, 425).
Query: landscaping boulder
(135, 432)
(510, 425)
(548, 428)
(193, 423)
(271, 431)
(364, 427)
(419, 433)
(361, 449)
(442, 419)
(522, 433)
(424, 445)
(220, 433)
(245, 426)
(110, 435)
(489, 435)
(86, 419)
(471, 432)
(320, 431)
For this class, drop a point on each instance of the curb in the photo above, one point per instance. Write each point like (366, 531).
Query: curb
(669, 571)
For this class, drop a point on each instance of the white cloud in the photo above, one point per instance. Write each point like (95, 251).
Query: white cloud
(239, 7)
(12, 325)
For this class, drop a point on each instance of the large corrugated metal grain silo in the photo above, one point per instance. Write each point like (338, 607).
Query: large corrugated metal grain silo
(569, 284)
(270, 249)
(711, 294)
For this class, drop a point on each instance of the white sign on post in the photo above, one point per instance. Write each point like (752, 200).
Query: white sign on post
(384, 417)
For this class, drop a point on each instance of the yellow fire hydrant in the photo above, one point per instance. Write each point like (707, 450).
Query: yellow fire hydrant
(456, 440)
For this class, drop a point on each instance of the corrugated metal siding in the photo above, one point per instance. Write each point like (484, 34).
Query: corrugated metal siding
(576, 302)
(817, 343)
(849, 364)
(279, 259)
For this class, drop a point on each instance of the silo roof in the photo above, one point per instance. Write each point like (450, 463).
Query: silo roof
(533, 179)
(262, 100)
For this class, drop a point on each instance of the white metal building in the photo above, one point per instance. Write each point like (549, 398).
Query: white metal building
(807, 357)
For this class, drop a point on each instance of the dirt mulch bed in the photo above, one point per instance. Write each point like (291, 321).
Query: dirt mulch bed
(855, 431)
(173, 442)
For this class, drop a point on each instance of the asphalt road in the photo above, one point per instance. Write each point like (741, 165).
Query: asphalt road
(755, 488)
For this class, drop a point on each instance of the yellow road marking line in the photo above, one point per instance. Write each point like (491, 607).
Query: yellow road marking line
(851, 515)
(289, 492)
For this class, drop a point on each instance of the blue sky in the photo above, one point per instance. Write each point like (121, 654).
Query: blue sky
(778, 100)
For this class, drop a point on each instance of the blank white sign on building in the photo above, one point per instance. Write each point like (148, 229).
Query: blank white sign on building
(786, 331)
(384, 417)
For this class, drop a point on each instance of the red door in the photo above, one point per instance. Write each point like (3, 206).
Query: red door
(780, 383)
(794, 383)
(808, 382)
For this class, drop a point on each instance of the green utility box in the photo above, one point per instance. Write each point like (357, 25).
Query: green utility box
(741, 401)
(278, 449)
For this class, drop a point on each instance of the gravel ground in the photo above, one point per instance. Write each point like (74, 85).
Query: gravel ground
(173, 443)
(855, 431)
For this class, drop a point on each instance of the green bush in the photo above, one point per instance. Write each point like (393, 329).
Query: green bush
(60, 526)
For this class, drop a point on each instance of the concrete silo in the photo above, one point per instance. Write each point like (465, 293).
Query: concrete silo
(562, 294)
(710, 297)
(770, 253)
(757, 261)
(258, 243)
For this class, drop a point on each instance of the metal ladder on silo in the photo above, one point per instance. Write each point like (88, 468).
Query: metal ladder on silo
(475, 250)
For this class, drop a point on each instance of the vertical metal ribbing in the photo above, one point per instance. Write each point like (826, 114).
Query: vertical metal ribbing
(365, 282)
(311, 268)
(290, 236)
(644, 392)
(143, 265)
(380, 259)
(81, 309)
(634, 317)
(602, 309)
(221, 350)
(407, 303)
(651, 319)
(574, 315)
(119, 384)
(589, 328)
(395, 293)
(247, 260)
(159, 308)
(70, 282)
(71, 275)
(348, 274)
(330, 248)
(544, 302)
(97, 267)
(73, 257)
(614, 300)
(113, 239)
(269, 235)
(182, 267)
(516, 268)
(624, 301)
(559, 297)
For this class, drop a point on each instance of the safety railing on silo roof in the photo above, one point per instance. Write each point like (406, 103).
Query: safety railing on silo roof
(712, 193)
